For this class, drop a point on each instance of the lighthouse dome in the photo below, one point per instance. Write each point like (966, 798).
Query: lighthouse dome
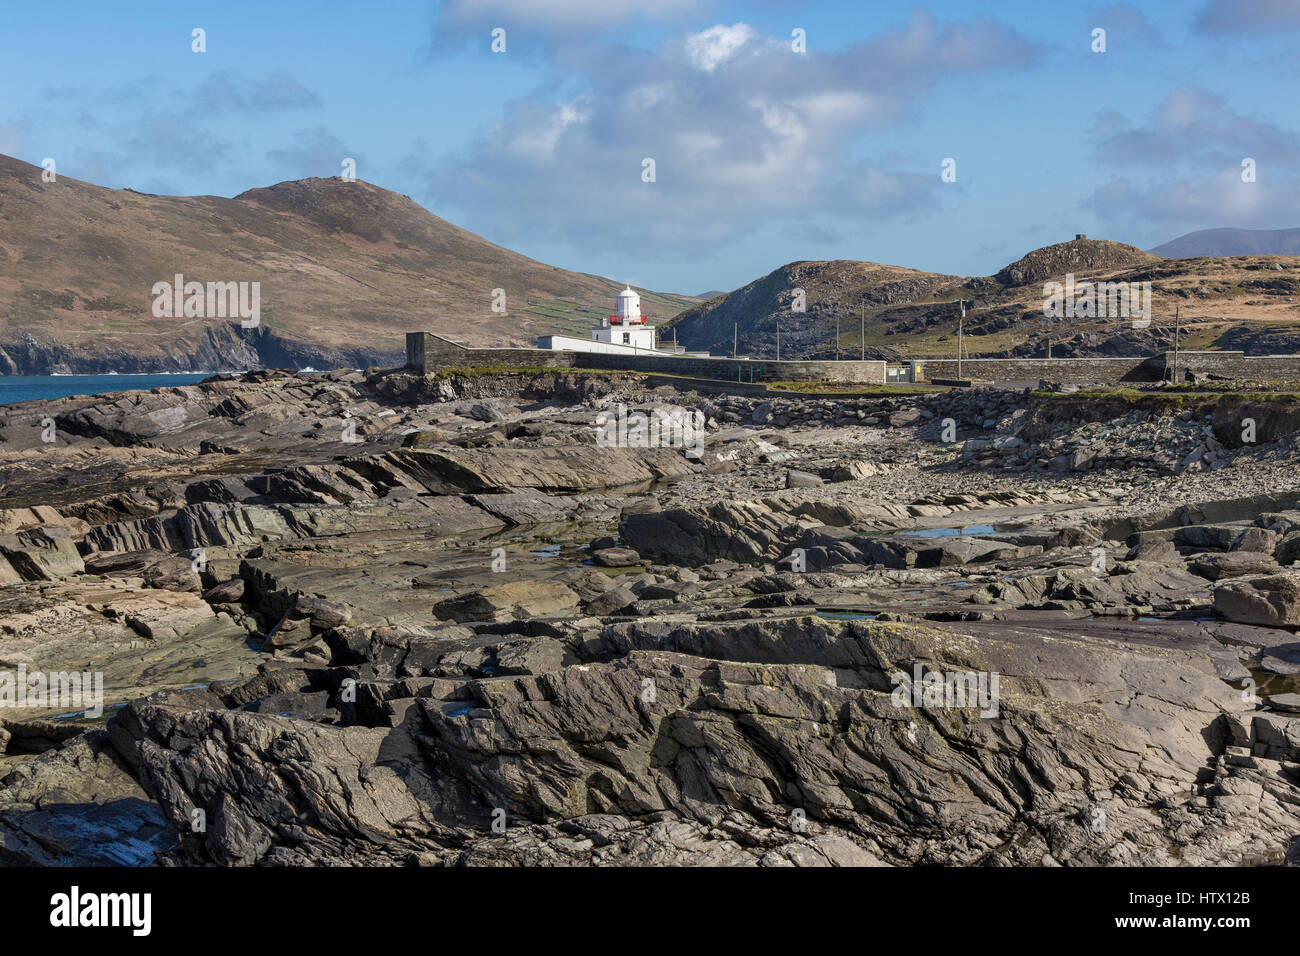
(629, 306)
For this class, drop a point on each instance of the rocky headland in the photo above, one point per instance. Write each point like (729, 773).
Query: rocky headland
(380, 618)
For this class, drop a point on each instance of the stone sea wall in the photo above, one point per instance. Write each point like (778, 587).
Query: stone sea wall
(1233, 365)
(426, 351)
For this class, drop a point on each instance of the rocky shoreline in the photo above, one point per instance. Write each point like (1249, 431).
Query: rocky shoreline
(386, 619)
(224, 346)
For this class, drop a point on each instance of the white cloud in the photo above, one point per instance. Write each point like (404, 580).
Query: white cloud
(536, 142)
(741, 128)
(1201, 202)
(710, 48)
(1192, 124)
(648, 95)
(317, 152)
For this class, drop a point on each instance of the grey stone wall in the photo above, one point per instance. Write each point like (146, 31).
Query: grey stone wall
(1075, 370)
(1239, 365)
(1236, 365)
(426, 351)
(741, 370)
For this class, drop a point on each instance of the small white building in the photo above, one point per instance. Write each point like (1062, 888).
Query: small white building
(627, 326)
(624, 332)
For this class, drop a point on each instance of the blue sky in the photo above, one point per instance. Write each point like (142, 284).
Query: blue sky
(762, 155)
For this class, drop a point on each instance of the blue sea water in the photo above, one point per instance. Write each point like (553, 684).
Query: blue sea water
(949, 532)
(25, 388)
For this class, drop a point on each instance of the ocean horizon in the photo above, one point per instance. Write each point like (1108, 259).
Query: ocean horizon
(26, 388)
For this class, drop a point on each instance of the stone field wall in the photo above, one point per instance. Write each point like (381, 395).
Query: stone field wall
(427, 352)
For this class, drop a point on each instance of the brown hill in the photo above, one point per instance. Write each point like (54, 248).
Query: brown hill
(1232, 242)
(346, 268)
(1244, 302)
(1077, 256)
(834, 292)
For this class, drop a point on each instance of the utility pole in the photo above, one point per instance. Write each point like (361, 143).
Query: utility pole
(863, 331)
(778, 340)
(961, 321)
(1177, 330)
(837, 338)
(735, 337)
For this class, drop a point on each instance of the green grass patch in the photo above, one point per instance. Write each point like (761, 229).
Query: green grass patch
(482, 371)
(835, 389)
(853, 388)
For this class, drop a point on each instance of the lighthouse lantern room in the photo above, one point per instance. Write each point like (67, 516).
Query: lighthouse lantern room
(628, 326)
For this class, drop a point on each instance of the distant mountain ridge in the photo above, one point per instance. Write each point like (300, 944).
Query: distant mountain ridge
(1078, 255)
(847, 308)
(1232, 242)
(345, 269)
(877, 310)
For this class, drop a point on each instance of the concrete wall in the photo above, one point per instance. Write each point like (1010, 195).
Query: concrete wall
(1077, 370)
(1240, 365)
(569, 343)
(1234, 365)
(426, 351)
(744, 370)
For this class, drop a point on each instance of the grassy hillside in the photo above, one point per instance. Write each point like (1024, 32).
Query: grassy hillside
(346, 268)
(1245, 302)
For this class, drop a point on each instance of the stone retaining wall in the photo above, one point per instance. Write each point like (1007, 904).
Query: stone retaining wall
(1233, 365)
(1076, 370)
(744, 370)
(1240, 365)
(426, 351)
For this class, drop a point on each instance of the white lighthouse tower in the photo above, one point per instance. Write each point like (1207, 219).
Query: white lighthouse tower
(623, 333)
(627, 326)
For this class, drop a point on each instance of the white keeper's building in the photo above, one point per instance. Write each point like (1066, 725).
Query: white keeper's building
(626, 332)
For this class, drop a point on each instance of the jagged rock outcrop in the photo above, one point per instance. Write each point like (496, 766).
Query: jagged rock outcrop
(743, 531)
(1272, 601)
(368, 619)
(1077, 255)
(1095, 755)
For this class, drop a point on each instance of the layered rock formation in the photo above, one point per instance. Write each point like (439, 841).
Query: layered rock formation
(391, 620)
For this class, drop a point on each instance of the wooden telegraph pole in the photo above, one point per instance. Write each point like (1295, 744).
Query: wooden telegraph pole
(837, 338)
(735, 337)
(863, 330)
(1177, 329)
(961, 321)
(778, 340)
